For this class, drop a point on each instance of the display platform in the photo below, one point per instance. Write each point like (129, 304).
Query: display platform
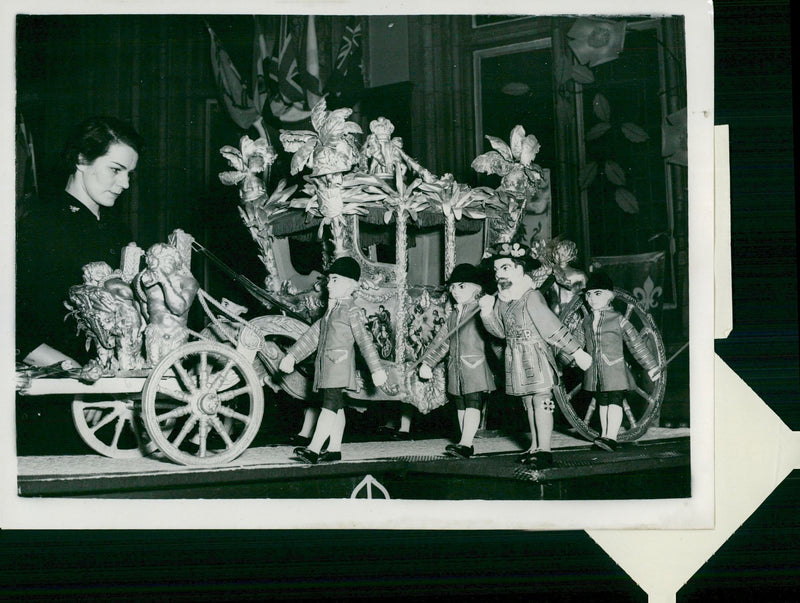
(655, 466)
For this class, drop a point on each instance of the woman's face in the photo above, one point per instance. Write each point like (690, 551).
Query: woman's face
(104, 179)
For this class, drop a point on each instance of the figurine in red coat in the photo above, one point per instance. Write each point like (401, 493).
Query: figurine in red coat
(605, 333)
(462, 337)
(334, 337)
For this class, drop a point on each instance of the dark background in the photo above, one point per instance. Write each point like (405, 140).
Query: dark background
(760, 562)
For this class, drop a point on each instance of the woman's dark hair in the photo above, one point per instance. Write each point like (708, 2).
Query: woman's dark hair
(92, 137)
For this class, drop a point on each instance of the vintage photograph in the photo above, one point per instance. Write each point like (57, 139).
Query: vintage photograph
(369, 257)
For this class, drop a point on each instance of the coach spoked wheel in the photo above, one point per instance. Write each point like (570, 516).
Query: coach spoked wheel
(111, 426)
(642, 403)
(216, 399)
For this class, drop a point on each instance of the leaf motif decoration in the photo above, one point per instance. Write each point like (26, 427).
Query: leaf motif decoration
(491, 162)
(601, 107)
(633, 132)
(292, 140)
(319, 113)
(351, 127)
(529, 148)
(234, 157)
(614, 173)
(597, 130)
(499, 145)
(302, 156)
(626, 200)
(231, 178)
(515, 141)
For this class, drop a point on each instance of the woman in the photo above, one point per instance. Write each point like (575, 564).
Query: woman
(77, 227)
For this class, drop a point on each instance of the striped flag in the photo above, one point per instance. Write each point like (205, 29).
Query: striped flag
(346, 83)
(311, 80)
(284, 71)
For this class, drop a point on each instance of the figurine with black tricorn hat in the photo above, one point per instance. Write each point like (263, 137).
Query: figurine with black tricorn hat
(605, 333)
(334, 338)
(463, 339)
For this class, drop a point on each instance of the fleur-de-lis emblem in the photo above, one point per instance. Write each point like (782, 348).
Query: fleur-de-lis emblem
(648, 294)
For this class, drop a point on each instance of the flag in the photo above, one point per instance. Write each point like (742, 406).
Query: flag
(288, 98)
(262, 51)
(284, 71)
(346, 83)
(229, 83)
(311, 80)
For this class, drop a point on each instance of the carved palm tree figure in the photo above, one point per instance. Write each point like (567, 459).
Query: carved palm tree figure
(330, 151)
(258, 210)
(455, 201)
(520, 180)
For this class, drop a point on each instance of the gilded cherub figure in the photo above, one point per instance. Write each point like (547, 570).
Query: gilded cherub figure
(168, 289)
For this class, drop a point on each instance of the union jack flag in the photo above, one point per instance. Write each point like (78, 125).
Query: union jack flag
(346, 83)
(284, 71)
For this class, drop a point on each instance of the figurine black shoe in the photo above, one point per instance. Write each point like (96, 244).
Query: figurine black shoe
(298, 440)
(329, 456)
(459, 451)
(606, 444)
(525, 457)
(306, 455)
(401, 435)
(541, 459)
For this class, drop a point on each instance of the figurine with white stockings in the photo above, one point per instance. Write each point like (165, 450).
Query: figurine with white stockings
(334, 337)
(520, 315)
(462, 337)
(605, 333)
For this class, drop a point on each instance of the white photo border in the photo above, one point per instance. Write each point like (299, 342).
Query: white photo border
(695, 512)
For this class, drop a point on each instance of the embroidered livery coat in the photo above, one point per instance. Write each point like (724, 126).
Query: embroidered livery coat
(605, 334)
(529, 328)
(334, 337)
(467, 370)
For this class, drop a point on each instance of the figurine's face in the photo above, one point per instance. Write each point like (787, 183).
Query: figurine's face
(507, 272)
(340, 287)
(105, 178)
(599, 298)
(464, 292)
